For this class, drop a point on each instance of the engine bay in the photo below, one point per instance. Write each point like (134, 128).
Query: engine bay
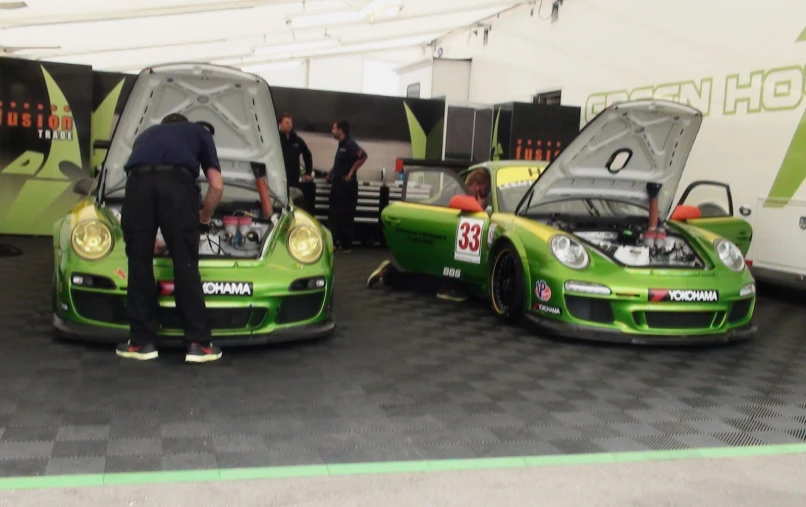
(633, 244)
(235, 231)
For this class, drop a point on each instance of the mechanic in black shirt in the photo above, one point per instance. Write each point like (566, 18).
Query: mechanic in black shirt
(293, 148)
(344, 186)
(161, 193)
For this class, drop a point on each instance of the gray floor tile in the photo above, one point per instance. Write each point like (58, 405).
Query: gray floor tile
(407, 377)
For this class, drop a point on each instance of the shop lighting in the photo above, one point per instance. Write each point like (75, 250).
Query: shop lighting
(298, 46)
(257, 69)
(375, 8)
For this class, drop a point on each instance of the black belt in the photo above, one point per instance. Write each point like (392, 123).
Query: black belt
(147, 168)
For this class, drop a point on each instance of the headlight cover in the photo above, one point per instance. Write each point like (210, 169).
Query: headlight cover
(91, 239)
(730, 255)
(569, 251)
(305, 244)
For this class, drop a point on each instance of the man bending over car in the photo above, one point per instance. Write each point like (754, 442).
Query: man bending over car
(161, 193)
(479, 185)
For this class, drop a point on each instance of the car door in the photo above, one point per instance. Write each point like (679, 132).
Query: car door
(715, 203)
(426, 235)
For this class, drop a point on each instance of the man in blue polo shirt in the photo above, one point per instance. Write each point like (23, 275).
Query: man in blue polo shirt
(344, 186)
(161, 193)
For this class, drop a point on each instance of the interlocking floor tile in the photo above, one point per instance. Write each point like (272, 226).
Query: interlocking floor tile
(405, 377)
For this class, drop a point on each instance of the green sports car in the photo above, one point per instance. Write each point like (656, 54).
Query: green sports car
(267, 274)
(588, 246)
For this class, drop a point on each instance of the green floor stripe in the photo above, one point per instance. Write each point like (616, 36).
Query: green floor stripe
(395, 467)
(158, 477)
(232, 474)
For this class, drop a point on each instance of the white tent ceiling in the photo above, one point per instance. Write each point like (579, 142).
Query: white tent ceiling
(127, 35)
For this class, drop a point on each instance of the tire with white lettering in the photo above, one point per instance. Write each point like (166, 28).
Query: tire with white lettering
(507, 284)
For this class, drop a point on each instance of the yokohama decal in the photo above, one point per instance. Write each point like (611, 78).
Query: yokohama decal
(684, 296)
(213, 288)
(468, 240)
(227, 288)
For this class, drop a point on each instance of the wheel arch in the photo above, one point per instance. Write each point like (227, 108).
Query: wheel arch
(508, 239)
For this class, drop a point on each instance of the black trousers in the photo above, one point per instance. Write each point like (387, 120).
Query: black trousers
(343, 201)
(169, 200)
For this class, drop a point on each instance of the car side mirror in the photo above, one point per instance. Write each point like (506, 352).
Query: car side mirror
(465, 203)
(684, 212)
(83, 186)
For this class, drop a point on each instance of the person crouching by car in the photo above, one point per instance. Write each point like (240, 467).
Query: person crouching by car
(344, 186)
(478, 184)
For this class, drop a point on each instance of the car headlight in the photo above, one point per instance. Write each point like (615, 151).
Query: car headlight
(305, 244)
(569, 251)
(92, 239)
(729, 254)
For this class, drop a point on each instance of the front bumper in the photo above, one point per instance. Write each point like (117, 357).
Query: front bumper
(642, 306)
(96, 312)
(598, 334)
(89, 333)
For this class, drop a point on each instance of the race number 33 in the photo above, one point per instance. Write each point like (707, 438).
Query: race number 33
(468, 240)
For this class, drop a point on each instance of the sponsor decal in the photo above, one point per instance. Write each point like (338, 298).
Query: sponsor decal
(227, 288)
(213, 288)
(452, 272)
(120, 274)
(551, 310)
(491, 234)
(468, 240)
(50, 121)
(542, 290)
(537, 149)
(684, 295)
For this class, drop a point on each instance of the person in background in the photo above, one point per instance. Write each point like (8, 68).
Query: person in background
(294, 147)
(344, 186)
(161, 194)
(478, 184)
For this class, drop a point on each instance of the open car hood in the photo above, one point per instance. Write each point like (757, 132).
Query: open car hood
(656, 135)
(238, 105)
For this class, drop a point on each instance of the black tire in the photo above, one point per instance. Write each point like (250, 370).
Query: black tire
(507, 284)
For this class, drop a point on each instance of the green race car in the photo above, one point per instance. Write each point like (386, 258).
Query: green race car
(588, 247)
(267, 272)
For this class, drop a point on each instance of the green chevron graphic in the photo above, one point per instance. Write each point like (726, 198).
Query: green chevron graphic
(418, 137)
(44, 195)
(102, 123)
(498, 150)
(424, 145)
(793, 168)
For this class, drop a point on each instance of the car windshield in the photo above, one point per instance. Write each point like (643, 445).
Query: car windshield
(511, 183)
(588, 208)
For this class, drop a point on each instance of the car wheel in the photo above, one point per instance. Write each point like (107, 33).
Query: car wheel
(506, 284)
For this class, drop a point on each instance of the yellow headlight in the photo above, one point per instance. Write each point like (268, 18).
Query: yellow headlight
(92, 239)
(305, 244)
